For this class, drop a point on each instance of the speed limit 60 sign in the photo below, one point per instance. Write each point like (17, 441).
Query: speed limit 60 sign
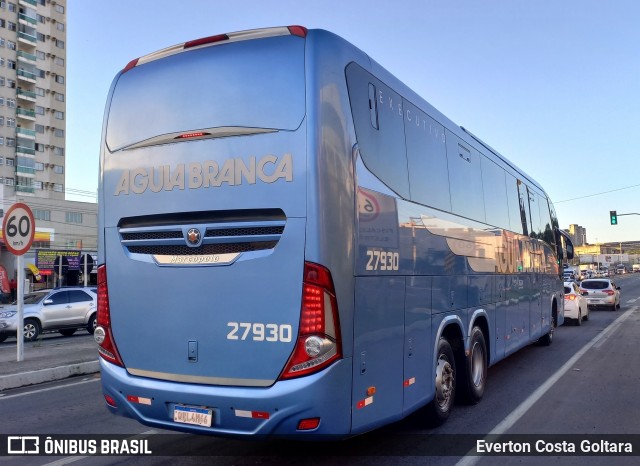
(18, 229)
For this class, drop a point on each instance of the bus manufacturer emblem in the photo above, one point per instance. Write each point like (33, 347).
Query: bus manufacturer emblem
(193, 237)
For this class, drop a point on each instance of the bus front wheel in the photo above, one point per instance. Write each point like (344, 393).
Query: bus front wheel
(445, 384)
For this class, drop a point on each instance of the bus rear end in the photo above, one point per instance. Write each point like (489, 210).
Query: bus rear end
(209, 318)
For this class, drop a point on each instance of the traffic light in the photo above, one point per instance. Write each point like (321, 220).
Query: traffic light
(614, 217)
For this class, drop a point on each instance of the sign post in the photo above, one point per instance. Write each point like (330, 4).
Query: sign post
(18, 231)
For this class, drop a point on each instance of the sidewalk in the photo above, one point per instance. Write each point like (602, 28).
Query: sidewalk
(47, 361)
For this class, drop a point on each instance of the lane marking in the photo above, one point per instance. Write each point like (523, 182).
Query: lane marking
(40, 390)
(522, 409)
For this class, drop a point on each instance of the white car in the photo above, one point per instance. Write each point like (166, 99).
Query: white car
(575, 304)
(63, 309)
(601, 292)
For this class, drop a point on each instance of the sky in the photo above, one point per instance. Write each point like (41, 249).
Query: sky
(554, 86)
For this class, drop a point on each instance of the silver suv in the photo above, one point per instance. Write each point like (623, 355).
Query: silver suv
(63, 309)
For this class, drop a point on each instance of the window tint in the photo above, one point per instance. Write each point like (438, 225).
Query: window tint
(60, 297)
(547, 222)
(594, 285)
(382, 148)
(495, 194)
(78, 296)
(534, 213)
(465, 179)
(523, 199)
(427, 159)
(253, 83)
(515, 219)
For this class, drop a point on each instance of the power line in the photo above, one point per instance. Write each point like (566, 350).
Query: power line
(597, 194)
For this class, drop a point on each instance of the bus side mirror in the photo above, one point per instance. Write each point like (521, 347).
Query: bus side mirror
(570, 252)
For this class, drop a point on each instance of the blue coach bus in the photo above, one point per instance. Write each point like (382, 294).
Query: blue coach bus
(292, 242)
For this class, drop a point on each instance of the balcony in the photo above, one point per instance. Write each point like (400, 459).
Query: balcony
(27, 38)
(29, 2)
(27, 76)
(27, 19)
(24, 56)
(25, 133)
(21, 150)
(26, 114)
(25, 189)
(21, 171)
(26, 95)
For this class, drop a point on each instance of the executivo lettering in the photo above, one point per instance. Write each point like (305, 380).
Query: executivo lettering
(208, 174)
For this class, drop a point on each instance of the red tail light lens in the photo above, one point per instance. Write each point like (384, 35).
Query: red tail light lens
(196, 134)
(130, 65)
(206, 40)
(570, 297)
(610, 292)
(318, 344)
(300, 31)
(103, 334)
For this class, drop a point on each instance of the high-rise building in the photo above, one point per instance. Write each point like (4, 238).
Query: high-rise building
(33, 74)
(578, 235)
(32, 100)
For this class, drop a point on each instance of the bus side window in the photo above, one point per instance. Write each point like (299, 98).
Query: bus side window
(427, 159)
(514, 203)
(495, 193)
(524, 207)
(465, 179)
(382, 147)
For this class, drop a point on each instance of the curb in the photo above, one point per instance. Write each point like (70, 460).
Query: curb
(47, 375)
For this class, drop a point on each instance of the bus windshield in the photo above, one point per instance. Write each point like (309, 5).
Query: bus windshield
(200, 89)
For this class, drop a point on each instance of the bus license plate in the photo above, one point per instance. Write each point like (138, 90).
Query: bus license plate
(192, 415)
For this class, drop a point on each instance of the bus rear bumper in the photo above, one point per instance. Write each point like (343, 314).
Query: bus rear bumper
(237, 411)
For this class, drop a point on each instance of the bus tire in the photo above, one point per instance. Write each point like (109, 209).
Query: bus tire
(547, 339)
(439, 409)
(476, 367)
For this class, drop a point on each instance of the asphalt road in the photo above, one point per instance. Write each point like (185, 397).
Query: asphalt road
(584, 384)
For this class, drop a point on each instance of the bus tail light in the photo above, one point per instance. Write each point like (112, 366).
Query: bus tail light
(103, 335)
(318, 344)
(309, 424)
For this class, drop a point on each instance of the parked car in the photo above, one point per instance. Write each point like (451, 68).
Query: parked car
(601, 292)
(63, 309)
(575, 303)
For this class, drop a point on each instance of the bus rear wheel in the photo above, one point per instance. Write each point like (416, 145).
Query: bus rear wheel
(476, 375)
(445, 384)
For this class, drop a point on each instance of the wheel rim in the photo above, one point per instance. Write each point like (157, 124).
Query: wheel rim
(29, 331)
(444, 381)
(477, 364)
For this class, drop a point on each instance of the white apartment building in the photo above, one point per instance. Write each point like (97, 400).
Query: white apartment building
(32, 98)
(33, 64)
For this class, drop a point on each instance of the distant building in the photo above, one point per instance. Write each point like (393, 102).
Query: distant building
(578, 235)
